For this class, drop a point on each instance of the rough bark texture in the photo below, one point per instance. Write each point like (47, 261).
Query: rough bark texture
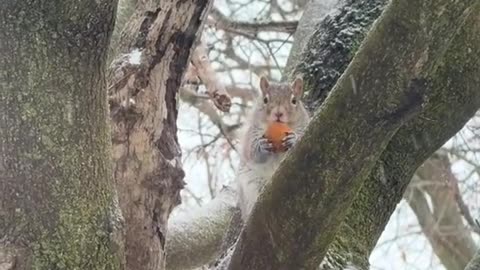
(441, 221)
(327, 53)
(332, 46)
(421, 44)
(313, 14)
(143, 99)
(57, 207)
(126, 8)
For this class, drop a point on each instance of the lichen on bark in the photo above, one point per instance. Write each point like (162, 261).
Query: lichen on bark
(57, 209)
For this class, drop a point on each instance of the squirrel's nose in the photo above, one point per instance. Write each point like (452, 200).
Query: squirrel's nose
(278, 114)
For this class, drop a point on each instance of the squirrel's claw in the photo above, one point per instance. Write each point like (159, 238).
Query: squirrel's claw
(289, 140)
(266, 146)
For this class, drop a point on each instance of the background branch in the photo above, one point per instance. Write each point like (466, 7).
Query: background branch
(220, 21)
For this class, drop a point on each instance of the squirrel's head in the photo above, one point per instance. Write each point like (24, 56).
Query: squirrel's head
(280, 102)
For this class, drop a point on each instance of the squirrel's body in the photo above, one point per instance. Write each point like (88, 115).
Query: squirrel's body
(278, 103)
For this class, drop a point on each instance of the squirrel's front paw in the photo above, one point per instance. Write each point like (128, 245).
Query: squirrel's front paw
(289, 140)
(265, 146)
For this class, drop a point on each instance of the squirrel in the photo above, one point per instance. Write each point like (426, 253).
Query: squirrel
(279, 102)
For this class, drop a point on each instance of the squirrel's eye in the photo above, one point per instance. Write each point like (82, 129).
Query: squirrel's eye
(294, 101)
(265, 100)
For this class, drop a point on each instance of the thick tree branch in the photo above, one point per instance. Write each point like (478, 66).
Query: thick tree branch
(292, 225)
(194, 240)
(456, 101)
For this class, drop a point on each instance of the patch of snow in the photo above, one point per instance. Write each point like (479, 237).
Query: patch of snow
(350, 266)
(134, 57)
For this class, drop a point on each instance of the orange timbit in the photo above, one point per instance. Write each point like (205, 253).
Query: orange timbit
(275, 132)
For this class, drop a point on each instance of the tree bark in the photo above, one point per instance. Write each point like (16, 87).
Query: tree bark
(313, 14)
(457, 100)
(57, 205)
(420, 54)
(143, 102)
(331, 47)
(126, 8)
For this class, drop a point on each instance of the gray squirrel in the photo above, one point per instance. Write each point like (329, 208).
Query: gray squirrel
(279, 102)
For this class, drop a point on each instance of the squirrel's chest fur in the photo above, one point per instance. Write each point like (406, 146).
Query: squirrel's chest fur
(264, 170)
(252, 177)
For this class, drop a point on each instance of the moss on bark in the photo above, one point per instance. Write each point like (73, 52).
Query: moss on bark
(457, 99)
(55, 163)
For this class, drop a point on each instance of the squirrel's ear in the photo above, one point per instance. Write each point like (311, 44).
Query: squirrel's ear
(264, 83)
(297, 87)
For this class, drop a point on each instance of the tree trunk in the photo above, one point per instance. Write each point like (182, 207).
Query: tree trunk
(144, 84)
(57, 202)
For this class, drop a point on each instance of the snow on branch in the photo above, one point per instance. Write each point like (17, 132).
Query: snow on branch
(195, 238)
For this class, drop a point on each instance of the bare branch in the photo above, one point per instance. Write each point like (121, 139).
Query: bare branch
(220, 21)
(201, 66)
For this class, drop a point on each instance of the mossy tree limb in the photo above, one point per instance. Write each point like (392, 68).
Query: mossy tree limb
(455, 81)
(411, 53)
(57, 207)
